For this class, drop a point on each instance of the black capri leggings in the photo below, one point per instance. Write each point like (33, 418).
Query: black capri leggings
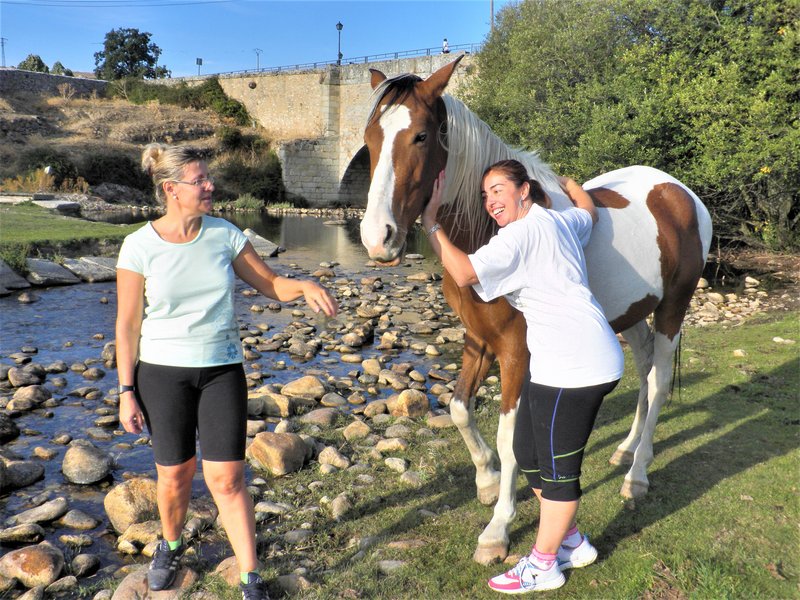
(182, 403)
(550, 435)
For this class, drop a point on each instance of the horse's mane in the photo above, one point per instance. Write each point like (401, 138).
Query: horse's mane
(399, 87)
(471, 148)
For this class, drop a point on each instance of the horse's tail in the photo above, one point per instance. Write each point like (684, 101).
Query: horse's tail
(676, 369)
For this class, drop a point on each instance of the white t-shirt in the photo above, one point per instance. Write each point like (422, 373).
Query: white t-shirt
(189, 318)
(537, 263)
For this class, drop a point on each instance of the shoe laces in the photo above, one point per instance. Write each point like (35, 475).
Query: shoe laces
(254, 589)
(526, 571)
(164, 557)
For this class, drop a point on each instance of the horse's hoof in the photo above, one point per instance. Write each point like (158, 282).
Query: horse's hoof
(488, 555)
(489, 495)
(634, 489)
(621, 457)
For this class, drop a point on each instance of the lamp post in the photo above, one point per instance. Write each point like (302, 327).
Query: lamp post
(198, 61)
(258, 52)
(339, 29)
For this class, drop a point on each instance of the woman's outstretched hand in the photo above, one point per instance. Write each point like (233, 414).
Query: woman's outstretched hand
(431, 210)
(319, 299)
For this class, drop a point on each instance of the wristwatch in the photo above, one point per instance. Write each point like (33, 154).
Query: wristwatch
(126, 388)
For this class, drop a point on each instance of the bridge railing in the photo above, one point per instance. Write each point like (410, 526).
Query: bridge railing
(359, 60)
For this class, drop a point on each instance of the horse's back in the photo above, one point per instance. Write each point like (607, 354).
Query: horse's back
(639, 209)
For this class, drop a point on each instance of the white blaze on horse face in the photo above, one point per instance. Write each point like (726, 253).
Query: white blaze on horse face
(381, 191)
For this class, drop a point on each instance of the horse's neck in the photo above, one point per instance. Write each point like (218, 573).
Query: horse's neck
(462, 238)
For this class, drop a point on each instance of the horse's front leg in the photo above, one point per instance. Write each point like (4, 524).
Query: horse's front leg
(476, 360)
(493, 541)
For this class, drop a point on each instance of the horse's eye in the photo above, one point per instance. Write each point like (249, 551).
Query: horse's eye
(421, 137)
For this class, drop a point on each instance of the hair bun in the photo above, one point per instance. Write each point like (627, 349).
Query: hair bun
(151, 155)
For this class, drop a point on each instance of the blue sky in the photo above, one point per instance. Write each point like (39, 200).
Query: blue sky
(225, 33)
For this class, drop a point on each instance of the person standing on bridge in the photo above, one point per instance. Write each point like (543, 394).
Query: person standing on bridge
(179, 356)
(445, 46)
(536, 261)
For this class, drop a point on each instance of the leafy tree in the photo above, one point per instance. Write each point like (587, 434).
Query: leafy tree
(705, 90)
(59, 69)
(128, 53)
(33, 63)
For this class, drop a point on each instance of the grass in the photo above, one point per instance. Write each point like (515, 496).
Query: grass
(720, 520)
(29, 226)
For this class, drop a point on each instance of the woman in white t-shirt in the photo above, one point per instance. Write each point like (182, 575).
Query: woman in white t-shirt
(179, 356)
(536, 261)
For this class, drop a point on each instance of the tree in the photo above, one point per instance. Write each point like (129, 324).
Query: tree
(128, 53)
(59, 69)
(33, 63)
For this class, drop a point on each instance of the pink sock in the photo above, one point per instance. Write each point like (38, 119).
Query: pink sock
(542, 559)
(573, 538)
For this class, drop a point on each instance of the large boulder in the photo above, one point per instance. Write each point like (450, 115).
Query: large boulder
(44, 513)
(410, 403)
(46, 272)
(308, 387)
(133, 501)
(33, 566)
(134, 586)
(30, 374)
(85, 464)
(278, 453)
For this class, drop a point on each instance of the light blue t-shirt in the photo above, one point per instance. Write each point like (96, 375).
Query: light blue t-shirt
(537, 263)
(189, 318)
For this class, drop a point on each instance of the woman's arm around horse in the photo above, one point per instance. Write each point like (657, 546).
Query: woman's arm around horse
(578, 196)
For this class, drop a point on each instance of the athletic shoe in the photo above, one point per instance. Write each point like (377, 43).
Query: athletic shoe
(581, 555)
(164, 566)
(254, 589)
(528, 577)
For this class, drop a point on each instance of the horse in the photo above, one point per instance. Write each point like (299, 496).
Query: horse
(645, 257)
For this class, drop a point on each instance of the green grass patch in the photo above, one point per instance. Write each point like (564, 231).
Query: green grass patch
(720, 520)
(28, 225)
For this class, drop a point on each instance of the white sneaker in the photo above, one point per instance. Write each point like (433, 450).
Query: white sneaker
(581, 555)
(527, 577)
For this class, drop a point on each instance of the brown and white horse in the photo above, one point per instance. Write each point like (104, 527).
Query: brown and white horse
(645, 257)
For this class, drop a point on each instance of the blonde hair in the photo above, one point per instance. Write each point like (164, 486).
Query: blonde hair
(166, 163)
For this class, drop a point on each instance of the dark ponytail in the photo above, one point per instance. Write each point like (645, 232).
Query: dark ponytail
(516, 172)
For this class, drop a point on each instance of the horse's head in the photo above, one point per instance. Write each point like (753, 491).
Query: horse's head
(404, 137)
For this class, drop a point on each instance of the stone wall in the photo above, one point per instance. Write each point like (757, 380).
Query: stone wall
(15, 80)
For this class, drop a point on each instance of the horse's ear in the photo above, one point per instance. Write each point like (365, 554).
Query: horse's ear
(377, 78)
(435, 84)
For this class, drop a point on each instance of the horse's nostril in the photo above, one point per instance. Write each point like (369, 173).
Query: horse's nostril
(389, 234)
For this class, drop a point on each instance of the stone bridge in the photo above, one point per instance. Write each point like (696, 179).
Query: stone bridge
(316, 120)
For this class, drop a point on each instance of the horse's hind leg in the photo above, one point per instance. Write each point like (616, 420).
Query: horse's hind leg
(476, 360)
(640, 340)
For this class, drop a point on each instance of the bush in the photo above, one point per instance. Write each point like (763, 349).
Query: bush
(258, 175)
(14, 256)
(249, 202)
(230, 138)
(61, 166)
(115, 167)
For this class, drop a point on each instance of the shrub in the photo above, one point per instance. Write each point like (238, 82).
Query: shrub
(259, 175)
(249, 202)
(61, 165)
(114, 167)
(14, 256)
(230, 138)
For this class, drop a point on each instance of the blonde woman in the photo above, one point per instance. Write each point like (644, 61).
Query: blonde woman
(179, 357)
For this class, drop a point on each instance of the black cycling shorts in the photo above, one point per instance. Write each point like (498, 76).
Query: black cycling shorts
(181, 404)
(552, 428)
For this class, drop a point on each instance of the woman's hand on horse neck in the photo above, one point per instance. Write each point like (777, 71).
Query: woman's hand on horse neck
(454, 260)
(578, 196)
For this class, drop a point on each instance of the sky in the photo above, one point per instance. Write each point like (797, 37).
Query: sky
(227, 33)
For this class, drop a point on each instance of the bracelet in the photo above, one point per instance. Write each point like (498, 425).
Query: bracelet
(436, 227)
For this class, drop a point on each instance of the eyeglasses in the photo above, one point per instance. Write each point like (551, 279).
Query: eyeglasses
(202, 182)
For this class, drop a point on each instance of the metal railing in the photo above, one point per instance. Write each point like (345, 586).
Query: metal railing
(359, 60)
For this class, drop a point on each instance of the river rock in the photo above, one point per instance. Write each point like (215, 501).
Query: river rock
(27, 533)
(392, 445)
(33, 565)
(270, 404)
(62, 586)
(133, 501)
(22, 473)
(44, 513)
(85, 464)
(396, 464)
(278, 453)
(89, 270)
(142, 533)
(46, 272)
(340, 506)
(35, 593)
(93, 373)
(134, 586)
(324, 417)
(84, 565)
(8, 429)
(305, 387)
(9, 280)
(410, 403)
(30, 374)
(28, 397)
(331, 456)
(356, 430)
(77, 519)
(440, 422)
